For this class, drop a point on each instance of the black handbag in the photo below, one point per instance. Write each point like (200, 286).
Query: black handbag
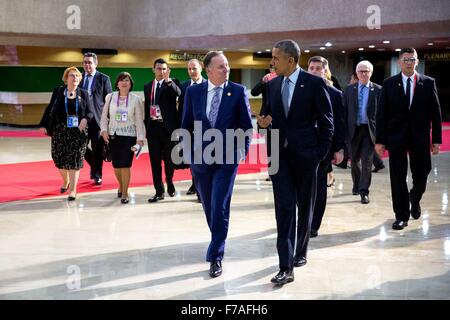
(106, 153)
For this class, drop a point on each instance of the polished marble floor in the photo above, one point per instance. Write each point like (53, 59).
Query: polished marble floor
(97, 248)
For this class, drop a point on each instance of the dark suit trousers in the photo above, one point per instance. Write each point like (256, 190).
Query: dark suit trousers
(321, 198)
(93, 156)
(294, 184)
(215, 188)
(420, 164)
(362, 150)
(160, 148)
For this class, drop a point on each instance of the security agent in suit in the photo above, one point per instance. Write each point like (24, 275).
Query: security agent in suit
(409, 103)
(221, 105)
(360, 107)
(318, 66)
(98, 85)
(299, 107)
(195, 73)
(161, 119)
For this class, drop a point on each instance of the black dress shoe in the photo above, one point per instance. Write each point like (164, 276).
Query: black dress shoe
(156, 198)
(98, 181)
(416, 211)
(365, 199)
(299, 262)
(376, 169)
(314, 233)
(283, 277)
(191, 190)
(268, 179)
(354, 192)
(171, 190)
(215, 269)
(399, 225)
(198, 199)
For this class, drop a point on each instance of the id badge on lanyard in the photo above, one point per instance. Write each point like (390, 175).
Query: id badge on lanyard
(155, 111)
(72, 121)
(121, 115)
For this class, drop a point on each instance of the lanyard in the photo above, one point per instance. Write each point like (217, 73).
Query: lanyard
(152, 97)
(118, 96)
(76, 103)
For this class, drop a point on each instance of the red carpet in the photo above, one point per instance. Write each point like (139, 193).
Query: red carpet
(21, 134)
(24, 181)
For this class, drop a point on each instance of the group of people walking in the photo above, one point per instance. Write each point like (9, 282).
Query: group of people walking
(314, 123)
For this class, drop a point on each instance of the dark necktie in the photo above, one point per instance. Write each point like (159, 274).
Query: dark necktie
(86, 82)
(157, 92)
(285, 96)
(408, 92)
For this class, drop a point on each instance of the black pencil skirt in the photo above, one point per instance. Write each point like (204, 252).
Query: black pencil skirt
(121, 154)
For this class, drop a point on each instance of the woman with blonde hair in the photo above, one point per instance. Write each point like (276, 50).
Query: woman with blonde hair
(65, 120)
(122, 127)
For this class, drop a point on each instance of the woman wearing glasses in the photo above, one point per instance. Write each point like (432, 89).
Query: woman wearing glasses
(122, 126)
(65, 120)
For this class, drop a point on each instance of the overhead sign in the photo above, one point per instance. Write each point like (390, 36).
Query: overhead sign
(437, 56)
(178, 56)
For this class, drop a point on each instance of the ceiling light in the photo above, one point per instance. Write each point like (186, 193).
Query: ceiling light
(361, 49)
(398, 49)
(430, 43)
(328, 44)
(306, 51)
(371, 46)
(343, 51)
(322, 48)
(268, 50)
(259, 52)
(386, 41)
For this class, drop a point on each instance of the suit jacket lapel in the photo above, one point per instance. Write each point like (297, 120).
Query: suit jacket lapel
(225, 96)
(203, 102)
(401, 90)
(297, 91)
(355, 104)
(278, 82)
(417, 89)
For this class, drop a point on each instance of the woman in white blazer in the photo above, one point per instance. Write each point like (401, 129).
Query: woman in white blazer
(122, 126)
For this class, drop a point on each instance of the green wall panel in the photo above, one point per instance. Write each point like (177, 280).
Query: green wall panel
(44, 79)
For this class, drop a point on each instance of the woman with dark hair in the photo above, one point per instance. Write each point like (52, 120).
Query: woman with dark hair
(122, 125)
(65, 120)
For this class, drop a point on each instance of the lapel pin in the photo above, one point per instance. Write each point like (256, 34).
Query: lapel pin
(302, 85)
(372, 89)
(399, 84)
(229, 94)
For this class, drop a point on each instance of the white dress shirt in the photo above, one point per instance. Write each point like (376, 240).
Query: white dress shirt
(413, 85)
(90, 79)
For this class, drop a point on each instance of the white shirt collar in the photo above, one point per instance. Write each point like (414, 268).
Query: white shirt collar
(92, 74)
(197, 82)
(405, 77)
(211, 86)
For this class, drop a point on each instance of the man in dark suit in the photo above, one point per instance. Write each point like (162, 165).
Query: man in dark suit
(299, 108)
(318, 66)
(214, 108)
(195, 74)
(360, 107)
(408, 104)
(161, 119)
(98, 85)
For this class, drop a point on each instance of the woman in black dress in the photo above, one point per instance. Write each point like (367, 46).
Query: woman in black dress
(65, 120)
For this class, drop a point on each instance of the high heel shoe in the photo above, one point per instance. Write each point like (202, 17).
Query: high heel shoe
(71, 198)
(119, 194)
(64, 189)
(124, 201)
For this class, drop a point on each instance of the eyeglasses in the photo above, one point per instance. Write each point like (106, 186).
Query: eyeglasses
(408, 60)
(363, 71)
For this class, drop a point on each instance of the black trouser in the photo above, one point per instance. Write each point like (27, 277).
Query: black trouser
(420, 164)
(160, 148)
(93, 155)
(321, 198)
(293, 186)
(362, 150)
